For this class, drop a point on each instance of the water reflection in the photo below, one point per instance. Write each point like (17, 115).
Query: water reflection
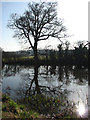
(52, 70)
(67, 81)
(81, 109)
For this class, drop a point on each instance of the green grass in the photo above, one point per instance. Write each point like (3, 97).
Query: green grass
(17, 110)
(24, 57)
(33, 106)
(49, 105)
(42, 57)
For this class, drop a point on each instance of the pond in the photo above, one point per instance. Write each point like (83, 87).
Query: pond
(56, 81)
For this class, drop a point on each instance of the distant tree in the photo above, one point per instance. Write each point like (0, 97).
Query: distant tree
(81, 53)
(39, 22)
(66, 55)
(67, 43)
(53, 55)
(60, 51)
(47, 51)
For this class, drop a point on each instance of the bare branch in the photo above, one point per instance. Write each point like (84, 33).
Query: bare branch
(39, 21)
(44, 38)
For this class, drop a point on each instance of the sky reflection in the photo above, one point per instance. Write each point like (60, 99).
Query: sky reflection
(82, 110)
(52, 81)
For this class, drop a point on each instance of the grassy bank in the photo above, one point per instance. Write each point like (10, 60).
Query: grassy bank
(12, 109)
(43, 61)
(36, 107)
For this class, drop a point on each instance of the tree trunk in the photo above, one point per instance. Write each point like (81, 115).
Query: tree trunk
(35, 54)
(37, 89)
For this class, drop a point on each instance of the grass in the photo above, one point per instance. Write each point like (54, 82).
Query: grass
(23, 58)
(11, 109)
(37, 107)
(43, 60)
(50, 106)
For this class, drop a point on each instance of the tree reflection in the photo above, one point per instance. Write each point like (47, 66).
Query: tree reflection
(33, 87)
(34, 80)
(53, 78)
(60, 72)
(81, 75)
(10, 70)
(52, 70)
(66, 72)
(89, 77)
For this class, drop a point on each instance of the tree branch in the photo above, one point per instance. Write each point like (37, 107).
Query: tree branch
(43, 38)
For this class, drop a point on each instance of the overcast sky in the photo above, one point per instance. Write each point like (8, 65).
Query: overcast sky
(74, 13)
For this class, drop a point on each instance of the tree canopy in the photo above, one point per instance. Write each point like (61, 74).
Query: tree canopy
(39, 21)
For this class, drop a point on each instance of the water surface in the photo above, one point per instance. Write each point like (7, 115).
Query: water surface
(71, 82)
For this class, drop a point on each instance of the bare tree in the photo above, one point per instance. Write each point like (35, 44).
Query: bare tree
(39, 22)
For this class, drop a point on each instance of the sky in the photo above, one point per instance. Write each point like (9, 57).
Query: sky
(74, 13)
